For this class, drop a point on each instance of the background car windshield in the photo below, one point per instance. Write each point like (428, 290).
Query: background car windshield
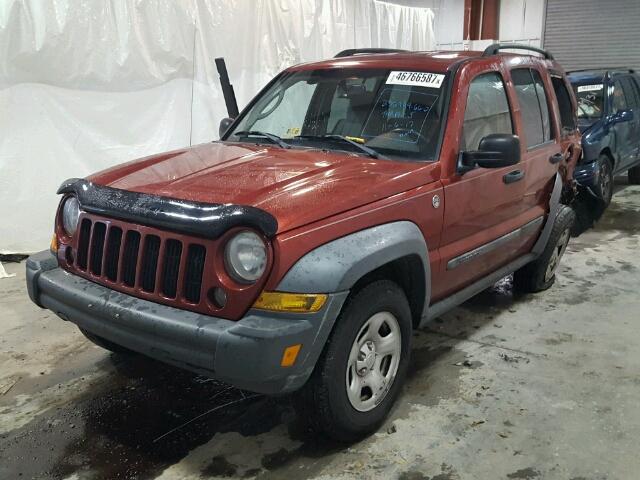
(590, 99)
(398, 116)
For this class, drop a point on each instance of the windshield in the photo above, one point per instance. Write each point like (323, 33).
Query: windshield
(590, 100)
(393, 114)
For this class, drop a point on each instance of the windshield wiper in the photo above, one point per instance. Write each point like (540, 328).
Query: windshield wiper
(369, 151)
(269, 136)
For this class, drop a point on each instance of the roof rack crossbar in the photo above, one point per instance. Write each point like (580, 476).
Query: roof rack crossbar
(495, 48)
(364, 51)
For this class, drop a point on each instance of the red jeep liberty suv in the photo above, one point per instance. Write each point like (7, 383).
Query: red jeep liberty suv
(352, 201)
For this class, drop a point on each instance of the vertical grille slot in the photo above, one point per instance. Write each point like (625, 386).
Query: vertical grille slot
(83, 244)
(113, 253)
(173, 251)
(193, 274)
(149, 263)
(130, 257)
(97, 248)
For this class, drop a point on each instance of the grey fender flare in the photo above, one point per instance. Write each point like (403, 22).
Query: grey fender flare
(554, 208)
(336, 266)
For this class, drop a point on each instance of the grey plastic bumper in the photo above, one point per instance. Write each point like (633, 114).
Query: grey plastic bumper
(246, 353)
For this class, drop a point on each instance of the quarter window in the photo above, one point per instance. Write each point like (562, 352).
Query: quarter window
(534, 108)
(564, 104)
(487, 110)
(629, 92)
(619, 101)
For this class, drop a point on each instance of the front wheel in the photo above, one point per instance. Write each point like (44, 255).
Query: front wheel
(361, 370)
(605, 180)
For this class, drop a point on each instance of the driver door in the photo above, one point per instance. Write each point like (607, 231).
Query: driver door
(484, 205)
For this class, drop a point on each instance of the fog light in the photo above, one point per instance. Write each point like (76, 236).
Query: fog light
(290, 302)
(218, 297)
(290, 354)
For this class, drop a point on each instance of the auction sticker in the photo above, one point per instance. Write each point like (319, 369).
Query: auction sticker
(416, 79)
(589, 88)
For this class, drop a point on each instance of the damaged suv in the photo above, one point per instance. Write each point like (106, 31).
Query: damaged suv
(352, 201)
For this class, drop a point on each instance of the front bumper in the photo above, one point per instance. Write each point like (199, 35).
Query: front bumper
(246, 353)
(587, 174)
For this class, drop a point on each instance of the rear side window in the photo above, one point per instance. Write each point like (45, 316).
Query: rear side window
(564, 104)
(630, 92)
(487, 110)
(618, 101)
(533, 106)
(636, 86)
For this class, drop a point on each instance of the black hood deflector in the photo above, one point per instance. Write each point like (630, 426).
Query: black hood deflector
(208, 220)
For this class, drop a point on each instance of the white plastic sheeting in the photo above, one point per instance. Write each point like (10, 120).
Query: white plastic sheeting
(86, 85)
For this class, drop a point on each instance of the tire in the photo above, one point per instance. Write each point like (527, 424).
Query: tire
(604, 189)
(349, 359)
(106, 344)
(541, 273)
(634, 175)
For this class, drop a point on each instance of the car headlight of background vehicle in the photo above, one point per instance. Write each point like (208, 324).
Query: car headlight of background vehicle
(70, 215)
(245, 257)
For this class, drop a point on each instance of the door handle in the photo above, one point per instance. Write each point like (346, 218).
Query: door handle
(557, 158)
(512, 177)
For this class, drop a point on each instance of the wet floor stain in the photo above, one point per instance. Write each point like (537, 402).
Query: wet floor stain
(524, 473)
(144, 417)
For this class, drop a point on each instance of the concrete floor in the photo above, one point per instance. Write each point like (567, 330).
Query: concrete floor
(505, 387)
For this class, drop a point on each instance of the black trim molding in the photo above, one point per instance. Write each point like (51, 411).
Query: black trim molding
(526, 229)
(208, 220)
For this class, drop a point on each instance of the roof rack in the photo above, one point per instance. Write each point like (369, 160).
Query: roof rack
(365, 51)
(495, 48)
(603, 69)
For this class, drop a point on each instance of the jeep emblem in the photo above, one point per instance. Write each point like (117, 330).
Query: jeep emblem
(435, 201)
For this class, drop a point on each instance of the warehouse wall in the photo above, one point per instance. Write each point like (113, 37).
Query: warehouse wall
(85, 88)
(520, 21)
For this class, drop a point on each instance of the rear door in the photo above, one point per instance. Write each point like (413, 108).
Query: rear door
(539, 135)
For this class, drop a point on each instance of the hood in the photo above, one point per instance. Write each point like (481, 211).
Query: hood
(296, 186)
(585, 124)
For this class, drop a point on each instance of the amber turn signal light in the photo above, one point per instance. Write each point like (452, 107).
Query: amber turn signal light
(54, 244)
(290, 302)
(290, 354)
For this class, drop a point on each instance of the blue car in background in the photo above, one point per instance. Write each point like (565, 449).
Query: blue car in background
(609, 119)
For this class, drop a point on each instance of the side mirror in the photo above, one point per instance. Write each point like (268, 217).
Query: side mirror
(495, 151)
(622, 116)
(225, 123)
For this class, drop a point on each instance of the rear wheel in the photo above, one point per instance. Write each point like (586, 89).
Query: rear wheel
(361, 370)
(106, 344)
(634, 175)
(541, 273)
(605, 180)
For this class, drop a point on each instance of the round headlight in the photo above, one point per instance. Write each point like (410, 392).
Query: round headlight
(70, 215)
(246, 257)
